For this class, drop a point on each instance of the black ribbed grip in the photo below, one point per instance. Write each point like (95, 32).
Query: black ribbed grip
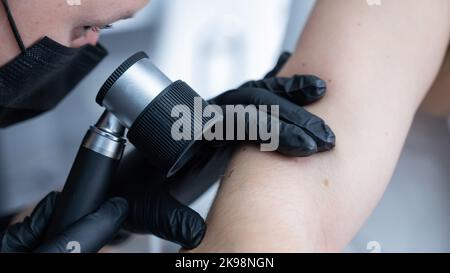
(85, 190)
(117, 74)
(151, 132)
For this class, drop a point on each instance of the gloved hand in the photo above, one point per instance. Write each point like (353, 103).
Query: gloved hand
(301, 133)
(91, 233)
(154, 210)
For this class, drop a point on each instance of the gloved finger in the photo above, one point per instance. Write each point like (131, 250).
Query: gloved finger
(284, 58)
(300, 89)
(292, 140)
(25, 237)
(160, 214)
(277, 134)
(314, 126)
(92, 232)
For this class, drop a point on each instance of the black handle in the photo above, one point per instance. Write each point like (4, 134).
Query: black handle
(85, 190)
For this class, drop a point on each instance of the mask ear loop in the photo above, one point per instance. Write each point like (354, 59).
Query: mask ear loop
(13, 25)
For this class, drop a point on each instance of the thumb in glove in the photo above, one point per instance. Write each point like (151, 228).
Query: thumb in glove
(90, 233)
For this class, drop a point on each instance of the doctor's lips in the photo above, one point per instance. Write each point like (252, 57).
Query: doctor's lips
(84, 30)
(96, 27)
(87, 35)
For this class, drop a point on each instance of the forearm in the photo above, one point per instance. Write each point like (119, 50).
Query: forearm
(437, 102)
(379, 62)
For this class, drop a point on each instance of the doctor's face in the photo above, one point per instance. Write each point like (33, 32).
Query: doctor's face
(73, 23)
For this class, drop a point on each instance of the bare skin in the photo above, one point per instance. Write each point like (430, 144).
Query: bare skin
(437, 101)
(379, 63)
(56, 19)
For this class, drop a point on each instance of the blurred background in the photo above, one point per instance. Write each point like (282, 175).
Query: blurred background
(213, 45)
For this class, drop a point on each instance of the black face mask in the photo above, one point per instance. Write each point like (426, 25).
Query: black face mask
(41, 76)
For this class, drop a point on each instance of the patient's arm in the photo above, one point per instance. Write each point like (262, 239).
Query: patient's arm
(379, 62)
(437, 102)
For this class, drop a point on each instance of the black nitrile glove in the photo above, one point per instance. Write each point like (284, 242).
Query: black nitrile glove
(282, 60)
(154, 210)
(301, 133)
(90, 234)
